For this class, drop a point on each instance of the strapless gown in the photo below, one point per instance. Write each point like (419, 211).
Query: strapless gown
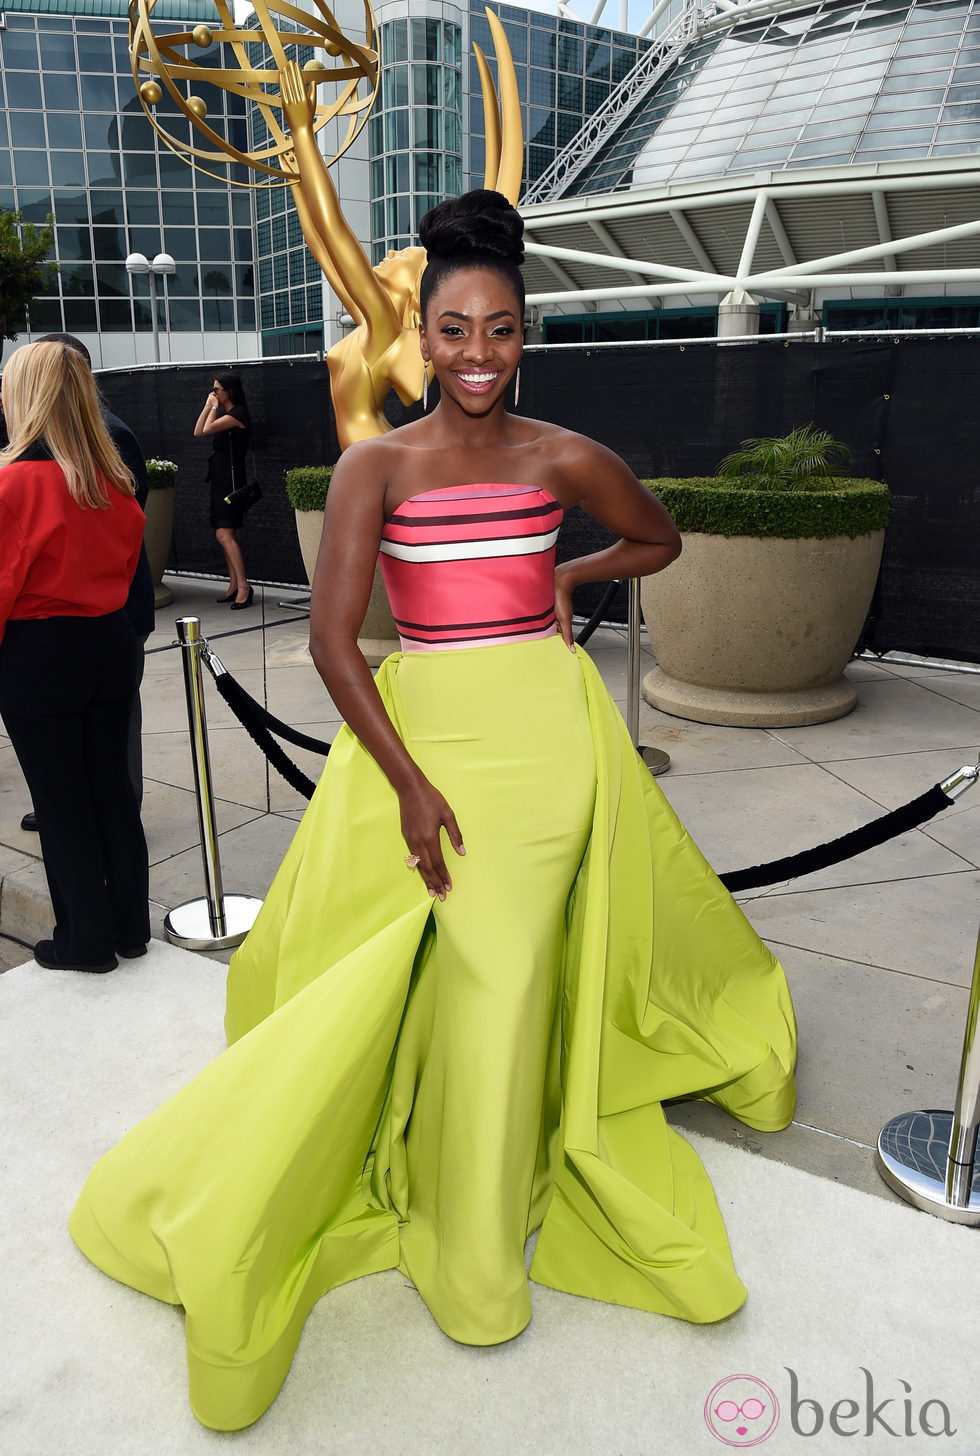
(421, 1084)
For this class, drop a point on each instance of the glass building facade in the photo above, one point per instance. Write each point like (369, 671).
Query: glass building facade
(416, 128)
(565, 71)
(828, 86)
(75, 144)
(289, 281)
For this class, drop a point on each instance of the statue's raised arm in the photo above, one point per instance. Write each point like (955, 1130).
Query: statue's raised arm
(381, 352)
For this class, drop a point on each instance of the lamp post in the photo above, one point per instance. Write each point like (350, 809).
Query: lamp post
(162, 265)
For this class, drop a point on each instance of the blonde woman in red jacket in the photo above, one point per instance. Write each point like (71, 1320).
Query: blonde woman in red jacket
(69, 657)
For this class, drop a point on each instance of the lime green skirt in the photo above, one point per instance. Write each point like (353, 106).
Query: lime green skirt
(419, 1084)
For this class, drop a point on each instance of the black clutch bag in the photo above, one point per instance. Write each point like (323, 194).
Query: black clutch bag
(243, 497)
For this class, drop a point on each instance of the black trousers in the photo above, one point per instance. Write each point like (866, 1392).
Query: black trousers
(66, 689)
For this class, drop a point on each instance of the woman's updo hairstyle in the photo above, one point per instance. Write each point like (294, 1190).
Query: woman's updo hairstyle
(478, 230)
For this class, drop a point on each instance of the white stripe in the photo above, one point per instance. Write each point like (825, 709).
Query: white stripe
(470, 550)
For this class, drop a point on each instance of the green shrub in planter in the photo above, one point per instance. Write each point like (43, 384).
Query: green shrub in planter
(720, 506)
(161, 474)
(306, 486)
(754, 623)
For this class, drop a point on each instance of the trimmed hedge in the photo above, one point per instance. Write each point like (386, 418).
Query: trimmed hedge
(306, 486)
(839, 506)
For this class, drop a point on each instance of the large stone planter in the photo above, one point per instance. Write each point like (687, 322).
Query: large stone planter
(157, 532)
(755, 632)
(378, 636)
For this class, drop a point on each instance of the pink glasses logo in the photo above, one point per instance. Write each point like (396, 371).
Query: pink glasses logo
(741, 1411)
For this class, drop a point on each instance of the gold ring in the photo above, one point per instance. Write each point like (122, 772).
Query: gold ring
(411, 860)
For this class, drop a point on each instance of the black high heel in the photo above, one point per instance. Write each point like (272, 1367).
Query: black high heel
(240, 606)
(229, 598)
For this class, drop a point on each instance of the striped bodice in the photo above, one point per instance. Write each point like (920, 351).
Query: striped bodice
(471, 565)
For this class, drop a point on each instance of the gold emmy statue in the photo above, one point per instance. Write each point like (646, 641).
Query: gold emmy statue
(381, 352)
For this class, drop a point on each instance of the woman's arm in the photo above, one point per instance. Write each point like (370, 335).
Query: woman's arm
(605, 487)
(216, 424)
(207, 413)
(342, 583)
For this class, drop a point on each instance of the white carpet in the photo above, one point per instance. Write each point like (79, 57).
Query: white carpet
(838, 1281)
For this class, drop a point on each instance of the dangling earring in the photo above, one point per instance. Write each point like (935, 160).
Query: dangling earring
(517, 386)
(425, 387)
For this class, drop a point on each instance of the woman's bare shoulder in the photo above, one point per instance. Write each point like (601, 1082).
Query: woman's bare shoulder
(563, 447)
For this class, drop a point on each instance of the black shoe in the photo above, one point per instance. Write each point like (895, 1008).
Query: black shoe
(240, 606)
(46, 956)
(229, 598)
(29, 821)
(130, 952)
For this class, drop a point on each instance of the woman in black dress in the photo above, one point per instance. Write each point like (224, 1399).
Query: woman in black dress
(225, 421)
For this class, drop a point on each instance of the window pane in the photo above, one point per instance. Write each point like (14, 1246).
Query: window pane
(79, 315)
(71, 206)
(98, 93)
(60, 92)
(185, 314)
(104, 169)
(74, 242)
(45, 317)
(426, 85)
(57, 52)
(178, 207)
(27, 129)
(95, 54)
(142, 207)
(64, 131)
(139, 169)
(77, 280)
(31, 169)
(145, 240)
(66, 167)
(214, 245)
(180, 242)
(19, 51)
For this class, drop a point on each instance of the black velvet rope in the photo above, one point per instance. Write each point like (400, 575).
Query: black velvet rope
(258, 721)
(897, 822)
(251, 715)
(605, 603)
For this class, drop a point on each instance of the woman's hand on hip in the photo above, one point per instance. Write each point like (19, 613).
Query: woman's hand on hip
(424, 814)
(563, 608)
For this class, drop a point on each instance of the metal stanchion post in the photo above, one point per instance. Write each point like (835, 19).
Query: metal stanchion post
(655, 759)
(217, 921)
(929, 1158)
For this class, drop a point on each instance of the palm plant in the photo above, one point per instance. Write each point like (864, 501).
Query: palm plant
(797, 461)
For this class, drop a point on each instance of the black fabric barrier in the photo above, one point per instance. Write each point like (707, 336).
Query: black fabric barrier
(905, 407)
(899, 821)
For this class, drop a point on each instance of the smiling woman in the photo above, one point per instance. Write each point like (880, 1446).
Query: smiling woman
(438, 1061)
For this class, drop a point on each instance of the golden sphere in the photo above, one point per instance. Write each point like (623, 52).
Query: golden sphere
(203, 35)
(197, 107)
(332, 48)
(314, 68)
(151, 93)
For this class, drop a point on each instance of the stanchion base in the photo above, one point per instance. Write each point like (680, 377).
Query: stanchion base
(656, 760)
(189, 925)
(912, 1154)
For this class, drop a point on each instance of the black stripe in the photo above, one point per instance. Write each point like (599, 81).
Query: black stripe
(466, 626)
(454, 520)
(522, 632)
